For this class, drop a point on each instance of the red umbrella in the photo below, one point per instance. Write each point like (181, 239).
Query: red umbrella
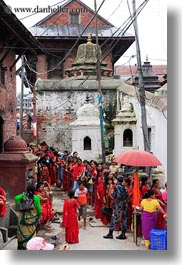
(137, 158)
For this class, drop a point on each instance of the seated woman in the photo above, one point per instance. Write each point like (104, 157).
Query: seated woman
(45, 201)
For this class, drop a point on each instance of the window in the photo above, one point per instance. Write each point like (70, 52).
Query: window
(74, 18)
(87, 143)
(128, 138)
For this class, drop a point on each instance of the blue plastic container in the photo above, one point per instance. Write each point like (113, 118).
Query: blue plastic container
(158, 239)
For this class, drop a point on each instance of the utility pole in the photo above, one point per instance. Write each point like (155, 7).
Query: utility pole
(99, 87)
(141, 84)
(141, 89)
(21, 97)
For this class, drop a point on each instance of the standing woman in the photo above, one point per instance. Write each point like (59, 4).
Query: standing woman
(99, 195)
(108, 199)
(127, 184)
(158, 196)
(149, 206)
(70, 218)
(28, 220)
(144, 185)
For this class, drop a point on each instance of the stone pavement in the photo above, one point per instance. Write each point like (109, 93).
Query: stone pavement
(90, 239)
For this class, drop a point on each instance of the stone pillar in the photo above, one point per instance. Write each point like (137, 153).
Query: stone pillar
(42, 67)
(16, 166)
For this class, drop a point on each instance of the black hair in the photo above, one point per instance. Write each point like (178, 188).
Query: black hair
(30, 190)
(40, 183)
(148, 194)
(52, 148)
(127, 180)
(154, 182)
(82, 183)
(56, 153)
(71, 194)
(144, 179)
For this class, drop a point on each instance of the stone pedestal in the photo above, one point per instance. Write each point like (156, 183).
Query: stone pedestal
(16, 166)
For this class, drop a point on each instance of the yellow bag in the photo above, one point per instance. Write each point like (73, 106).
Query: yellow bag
(90, 181)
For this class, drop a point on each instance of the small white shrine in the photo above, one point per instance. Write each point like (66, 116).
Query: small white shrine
(86, 133)
(125, 127)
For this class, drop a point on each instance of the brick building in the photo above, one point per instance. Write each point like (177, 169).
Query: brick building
(154, 76)
(63, 82)
(63, 31)
(12, 47)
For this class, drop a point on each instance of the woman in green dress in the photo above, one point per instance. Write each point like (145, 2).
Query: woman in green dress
(29, 219)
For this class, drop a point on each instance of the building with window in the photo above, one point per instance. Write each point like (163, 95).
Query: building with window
(128, 125)
(86, 135)
(15, 40)
(69, 70)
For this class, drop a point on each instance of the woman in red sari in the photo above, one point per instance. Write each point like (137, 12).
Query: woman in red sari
(158, 196)
(69, 172)
(99, 196)
(144, 185)
(2, 202)
(45, 201)
(70, 218)
(44, 173)
(108, 199)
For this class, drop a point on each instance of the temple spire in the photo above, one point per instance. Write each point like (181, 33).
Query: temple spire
(89, 39)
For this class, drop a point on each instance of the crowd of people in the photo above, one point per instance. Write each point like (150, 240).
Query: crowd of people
(101, 186)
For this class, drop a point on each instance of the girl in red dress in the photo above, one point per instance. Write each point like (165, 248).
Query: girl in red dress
(70, 218)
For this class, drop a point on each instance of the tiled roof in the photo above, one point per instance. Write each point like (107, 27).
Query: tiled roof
(75, 30)
(123, 70)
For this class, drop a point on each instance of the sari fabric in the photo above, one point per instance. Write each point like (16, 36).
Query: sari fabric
(149, 222)
(160, 220)
(99, 195)
(70, 221)
(27, 226)
(27, 222)
(47, 213)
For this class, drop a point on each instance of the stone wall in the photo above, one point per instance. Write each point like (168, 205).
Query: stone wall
(58, 101)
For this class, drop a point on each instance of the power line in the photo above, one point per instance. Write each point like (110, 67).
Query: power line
(115, 10)
(140, 81)
(73, 44)
(128, 23)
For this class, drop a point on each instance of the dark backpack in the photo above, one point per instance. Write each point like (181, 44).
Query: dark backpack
(26, 204)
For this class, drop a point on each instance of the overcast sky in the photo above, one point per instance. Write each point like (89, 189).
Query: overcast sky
(152, 23)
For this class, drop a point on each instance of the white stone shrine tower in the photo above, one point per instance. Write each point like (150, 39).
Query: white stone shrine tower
(86, 134)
